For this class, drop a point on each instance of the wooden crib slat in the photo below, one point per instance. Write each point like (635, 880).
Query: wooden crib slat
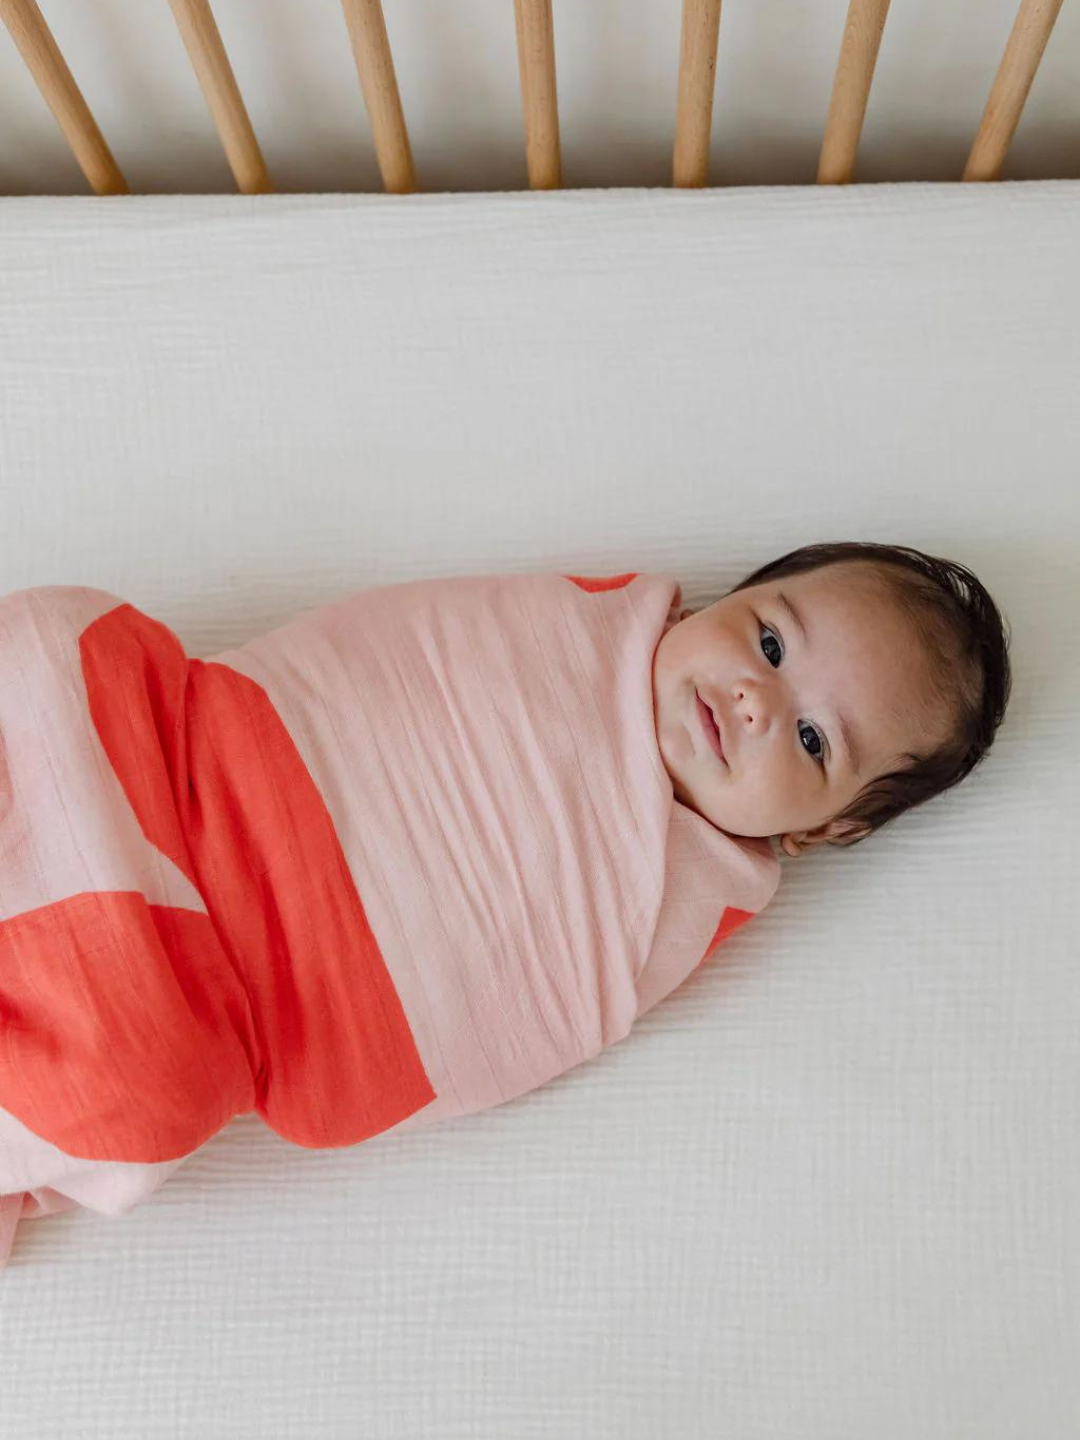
(1023, 52)
(851, 90)
(202, 39)
(539, 100)
(697, 82)
(375, 67)
(55, 81)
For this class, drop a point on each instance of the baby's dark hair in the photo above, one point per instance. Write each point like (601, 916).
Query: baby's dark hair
(962, 631)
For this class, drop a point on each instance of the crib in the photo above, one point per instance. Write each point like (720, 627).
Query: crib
(827, 1189)
(534, 27)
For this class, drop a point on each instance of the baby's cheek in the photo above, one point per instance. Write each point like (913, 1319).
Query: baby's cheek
(680, 747)
(675, 744)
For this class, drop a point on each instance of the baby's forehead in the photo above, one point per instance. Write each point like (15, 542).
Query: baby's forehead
(849, 578)
(832, 602)
(858, 609)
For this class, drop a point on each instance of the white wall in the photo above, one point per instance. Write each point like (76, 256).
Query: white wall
(457, 70)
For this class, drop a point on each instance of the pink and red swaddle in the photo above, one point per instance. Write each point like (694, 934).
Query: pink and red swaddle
(404, 858)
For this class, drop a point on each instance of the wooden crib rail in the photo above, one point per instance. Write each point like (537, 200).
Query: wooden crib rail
(375, 67)
(697, 83)
(63, 97)
(202, 38)
(536, 64)
(851, 89)
(698, 49)
(1027, 41)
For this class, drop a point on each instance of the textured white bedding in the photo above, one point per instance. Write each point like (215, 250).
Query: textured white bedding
(831, 1188)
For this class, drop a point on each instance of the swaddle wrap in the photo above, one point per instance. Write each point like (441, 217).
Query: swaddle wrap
(406, 857)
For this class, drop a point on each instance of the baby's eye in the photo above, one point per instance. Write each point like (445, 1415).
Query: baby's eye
(766, 631)
(819, 753)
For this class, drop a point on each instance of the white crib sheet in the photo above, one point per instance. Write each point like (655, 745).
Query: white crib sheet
(830, 1188)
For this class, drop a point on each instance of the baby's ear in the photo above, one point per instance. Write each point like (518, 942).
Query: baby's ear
(798, 842)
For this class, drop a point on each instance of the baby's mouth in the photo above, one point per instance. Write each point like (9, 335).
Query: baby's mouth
(708, 724)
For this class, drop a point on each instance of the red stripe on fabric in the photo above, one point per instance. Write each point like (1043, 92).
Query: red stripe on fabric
(613, 582)
(138, 1030)
(124, 1029)
(730, 921)
(340, 1062)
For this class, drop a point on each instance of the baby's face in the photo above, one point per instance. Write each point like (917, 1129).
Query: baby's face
(781, 699)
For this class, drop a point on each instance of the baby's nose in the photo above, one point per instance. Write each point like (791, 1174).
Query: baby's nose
(751, 710)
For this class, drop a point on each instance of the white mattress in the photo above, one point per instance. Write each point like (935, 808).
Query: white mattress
(831, 1188)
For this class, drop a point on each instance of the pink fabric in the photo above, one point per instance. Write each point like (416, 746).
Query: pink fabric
(484, 780)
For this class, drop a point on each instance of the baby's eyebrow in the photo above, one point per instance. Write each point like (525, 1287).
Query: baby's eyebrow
(781, 599)
(845, 729)
(849, 742)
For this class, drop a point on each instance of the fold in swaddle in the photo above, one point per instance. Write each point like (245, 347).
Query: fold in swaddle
(406, 857)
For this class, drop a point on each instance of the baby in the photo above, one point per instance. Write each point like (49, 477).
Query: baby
(424, 848)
